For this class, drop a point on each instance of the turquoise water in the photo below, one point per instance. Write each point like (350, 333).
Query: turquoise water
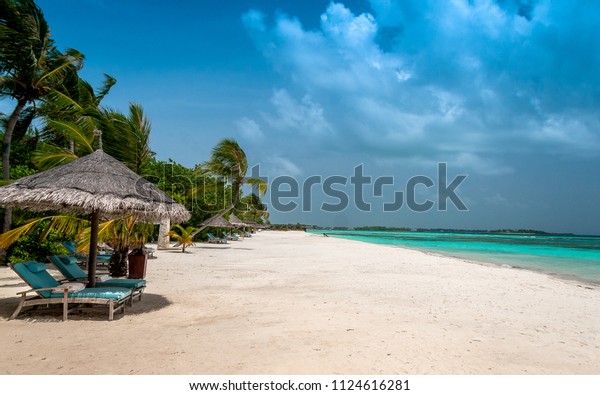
(566, 256)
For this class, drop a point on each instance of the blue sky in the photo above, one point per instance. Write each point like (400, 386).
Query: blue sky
(506, 92)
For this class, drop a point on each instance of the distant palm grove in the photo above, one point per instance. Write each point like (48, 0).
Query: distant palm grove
(56, 117)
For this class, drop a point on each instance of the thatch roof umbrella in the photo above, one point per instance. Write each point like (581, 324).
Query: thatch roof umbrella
(252, 224)
(218, 222)
(235, 221)
(256, 225)
(96, 184)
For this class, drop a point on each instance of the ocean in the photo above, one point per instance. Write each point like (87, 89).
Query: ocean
(566, 256)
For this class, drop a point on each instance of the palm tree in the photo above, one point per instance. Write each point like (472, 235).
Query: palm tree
(229, 164)
(124, 137)
(69, 112)
(30, 66)
(184, 237)
(253, 209)
(127, 137)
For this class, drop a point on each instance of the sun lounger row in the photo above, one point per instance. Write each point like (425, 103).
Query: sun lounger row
(46, 290)
(216, 240)
(71, 248)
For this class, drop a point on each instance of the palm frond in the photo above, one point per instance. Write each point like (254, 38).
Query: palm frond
(55, 73)
(81, 132)
(64, 225)
(107, 84)
(9, 238)
(257, 182)
(50, 155)
(61, 101)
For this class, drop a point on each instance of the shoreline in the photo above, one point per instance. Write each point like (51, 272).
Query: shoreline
(299, 303)
(473, 258)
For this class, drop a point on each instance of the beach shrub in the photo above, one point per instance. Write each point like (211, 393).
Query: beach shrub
(183, 236)
(29, 247)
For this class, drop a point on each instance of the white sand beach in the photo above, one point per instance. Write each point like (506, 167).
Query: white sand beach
(294, 303)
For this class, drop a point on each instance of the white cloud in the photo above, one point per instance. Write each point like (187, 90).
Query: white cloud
(279, 166)
(354, 33)
(304, 116)
(341, 57)
(249, 129)
(254, 20)
(567, 130)
(455, 84)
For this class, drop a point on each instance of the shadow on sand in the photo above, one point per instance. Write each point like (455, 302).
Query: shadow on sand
(53, 313)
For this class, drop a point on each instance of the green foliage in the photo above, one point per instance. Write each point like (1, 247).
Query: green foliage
(126, 137)
(171, 177)
(201, 194)
(251, 208)
(286, 227)
(31, 247)
(20, 171)
(228, 163)
(183, 236)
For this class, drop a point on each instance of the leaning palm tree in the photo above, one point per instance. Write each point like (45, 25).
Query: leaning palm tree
(229, 164)
(30, 66)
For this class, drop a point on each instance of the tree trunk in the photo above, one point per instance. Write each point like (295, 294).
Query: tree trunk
(164, 242)
(93, 249)
(10, 127)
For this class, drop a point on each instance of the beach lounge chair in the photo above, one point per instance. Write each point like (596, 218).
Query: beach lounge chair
(213, 239)
(68, 267)
(232, 237)
(47, 290)
(100, 258)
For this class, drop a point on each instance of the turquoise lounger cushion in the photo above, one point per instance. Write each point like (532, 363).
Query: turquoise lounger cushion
(30, 272)
(72, 248)
(42, 279)
(123, 282)
(74, 272)
(35, 267)
(102, 293)
(68, 260)
(65, 265)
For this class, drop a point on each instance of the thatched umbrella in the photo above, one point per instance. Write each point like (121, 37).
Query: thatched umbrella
(235, 221)
(218, 222)
(256, 225)
(96, 184)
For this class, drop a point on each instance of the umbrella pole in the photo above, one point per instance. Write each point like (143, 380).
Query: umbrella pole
(93, 249)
